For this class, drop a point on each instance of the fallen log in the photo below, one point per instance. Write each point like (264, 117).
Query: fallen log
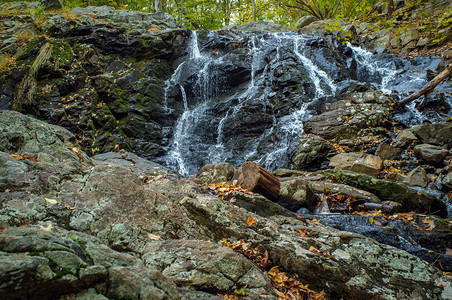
(258, 180)
(428, 88)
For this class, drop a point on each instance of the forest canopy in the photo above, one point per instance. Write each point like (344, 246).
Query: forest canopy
(214, 14)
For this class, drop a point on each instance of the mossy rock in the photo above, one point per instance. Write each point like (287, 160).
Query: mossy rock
(62, 54)
(23, 52)
(411, 199)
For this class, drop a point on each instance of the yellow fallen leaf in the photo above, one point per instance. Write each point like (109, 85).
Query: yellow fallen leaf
(48, 228)
(154, 237)
(273, 271)
(51, 201)
(250, 221)
(371, 220)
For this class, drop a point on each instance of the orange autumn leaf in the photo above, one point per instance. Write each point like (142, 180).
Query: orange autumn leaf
(303, 233)
(323, 253)
(273, 271)
(250, 221)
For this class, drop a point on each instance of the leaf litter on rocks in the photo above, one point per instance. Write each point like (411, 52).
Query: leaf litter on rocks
(286, 286)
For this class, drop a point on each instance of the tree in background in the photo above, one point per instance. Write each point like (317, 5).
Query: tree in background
(214, 14)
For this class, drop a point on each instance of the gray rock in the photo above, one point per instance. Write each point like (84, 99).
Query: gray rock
(430, 153)
(210, 267)
(66, 262)
(297, 193)
(388, 152)
(312, 153)
(111, 203)
(447, 180)
(258, 204)
(320, 27)
(53, 21)
(360, 115)
(410, 36)
(404, 139)
(138, 165)
(132, 20)
(417, 177)
(213, 173)
(439, 134)
(366, 164)
(381, 43)
(343, 189)
(304, 21)
(411, 199)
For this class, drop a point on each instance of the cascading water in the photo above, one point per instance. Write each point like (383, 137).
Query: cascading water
(389, 75)
(246, 97)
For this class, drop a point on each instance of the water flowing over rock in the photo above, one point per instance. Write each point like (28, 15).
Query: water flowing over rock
(190, 99)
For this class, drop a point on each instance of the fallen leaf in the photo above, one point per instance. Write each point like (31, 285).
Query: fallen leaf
(371, 220)
(48, 228)
(323, 253)
(303, 233)
(51, 201)
(273, 271)
(250, 221)
(154, 237)
(448, 251)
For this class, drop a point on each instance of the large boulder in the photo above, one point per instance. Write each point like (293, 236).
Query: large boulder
(439, 134)
(359, 115)
(404, 139)
(312, 153)
(430, 153)
(49, 263)
(411, 199)
(212, 173)
(388, 152)
(209, 267)
(297, 193)
(417, 177)
(360, 163)
(305, 20)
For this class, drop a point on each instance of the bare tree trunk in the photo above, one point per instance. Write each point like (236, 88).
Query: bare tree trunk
(227, 17)
(390, 7)
(156, 6)
(253, 4)
(428, 88)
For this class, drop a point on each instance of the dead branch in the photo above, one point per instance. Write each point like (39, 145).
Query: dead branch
(428, 88)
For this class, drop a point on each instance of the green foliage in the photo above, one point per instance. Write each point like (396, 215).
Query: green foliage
(330, 9)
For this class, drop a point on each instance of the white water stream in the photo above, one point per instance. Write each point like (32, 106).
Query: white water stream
(198, 136)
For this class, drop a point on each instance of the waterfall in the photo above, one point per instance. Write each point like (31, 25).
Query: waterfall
(282, 70)
(387, 75)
